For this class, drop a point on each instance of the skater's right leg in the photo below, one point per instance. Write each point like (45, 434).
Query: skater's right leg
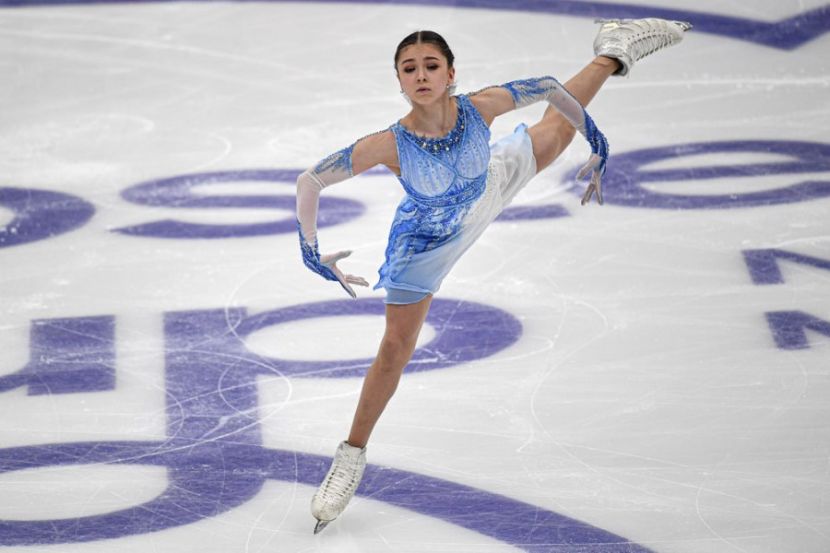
(403, 325)
(554, 133)
(618, 45)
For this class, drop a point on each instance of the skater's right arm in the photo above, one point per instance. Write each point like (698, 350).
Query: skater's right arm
(375, 149)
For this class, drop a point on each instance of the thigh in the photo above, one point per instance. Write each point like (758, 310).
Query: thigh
(404, 322)
(550, 137)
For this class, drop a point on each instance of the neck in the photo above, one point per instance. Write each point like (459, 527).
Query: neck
(436, 119)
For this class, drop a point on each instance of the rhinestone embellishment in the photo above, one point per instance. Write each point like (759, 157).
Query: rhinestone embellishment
(445, 143)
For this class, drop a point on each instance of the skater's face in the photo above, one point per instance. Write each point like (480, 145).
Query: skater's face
(424, 73)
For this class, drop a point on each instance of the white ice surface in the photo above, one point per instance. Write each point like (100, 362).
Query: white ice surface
(645, 396)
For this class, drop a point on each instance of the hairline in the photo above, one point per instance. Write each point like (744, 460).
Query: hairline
(435, 39)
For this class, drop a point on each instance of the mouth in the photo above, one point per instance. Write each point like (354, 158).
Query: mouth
(422, 89)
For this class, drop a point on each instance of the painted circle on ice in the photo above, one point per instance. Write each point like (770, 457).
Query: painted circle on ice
(182, 192)
(464, 331)
(213, 451)
(628, 174)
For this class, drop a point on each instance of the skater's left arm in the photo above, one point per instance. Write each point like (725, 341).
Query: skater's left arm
(494, 101)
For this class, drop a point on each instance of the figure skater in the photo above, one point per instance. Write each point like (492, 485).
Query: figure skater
(456, 184)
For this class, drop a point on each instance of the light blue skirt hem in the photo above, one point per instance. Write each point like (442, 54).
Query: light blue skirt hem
(396, 296)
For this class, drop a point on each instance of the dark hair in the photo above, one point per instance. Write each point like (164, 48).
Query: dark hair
(426, 37)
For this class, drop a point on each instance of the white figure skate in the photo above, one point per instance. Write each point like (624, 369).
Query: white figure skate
(339, 485)
(630, 40)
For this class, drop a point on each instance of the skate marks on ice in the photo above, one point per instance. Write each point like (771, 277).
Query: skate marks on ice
(788, 33)
(214, 455)
(692, 417)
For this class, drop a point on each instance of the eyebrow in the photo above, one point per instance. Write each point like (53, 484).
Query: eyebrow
(426, 58)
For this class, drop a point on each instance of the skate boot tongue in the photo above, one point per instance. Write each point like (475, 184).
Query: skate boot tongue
(350, 451)
(630, 40)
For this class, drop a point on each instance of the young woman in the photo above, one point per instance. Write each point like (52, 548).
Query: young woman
(456, 184)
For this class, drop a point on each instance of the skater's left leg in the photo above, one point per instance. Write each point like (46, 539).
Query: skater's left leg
(553, 133)
(403, 325)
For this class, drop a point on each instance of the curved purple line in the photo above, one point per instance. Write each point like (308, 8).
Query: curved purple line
(193, 494)
(41, 214)
(785, 34)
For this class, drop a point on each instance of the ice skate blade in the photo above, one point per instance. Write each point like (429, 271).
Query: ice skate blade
(320, 526)
(684, 25)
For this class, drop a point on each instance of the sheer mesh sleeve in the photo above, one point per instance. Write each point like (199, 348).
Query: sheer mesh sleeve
(333, 169)
(530, 91)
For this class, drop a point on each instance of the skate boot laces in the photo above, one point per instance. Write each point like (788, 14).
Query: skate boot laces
(343, 479)
(340, 484)
(645, 36)
(630, 40)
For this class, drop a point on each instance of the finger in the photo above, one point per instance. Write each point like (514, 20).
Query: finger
(586, 198)
(599, 187)
(349, 290)
(341, 278)
(592, 162)
(353, 279)
(582, 172)
(360, 281)
(332, 258)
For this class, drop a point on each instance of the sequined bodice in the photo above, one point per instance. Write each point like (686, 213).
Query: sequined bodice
(450, 170)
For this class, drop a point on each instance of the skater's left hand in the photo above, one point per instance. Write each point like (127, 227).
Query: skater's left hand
(593, 166)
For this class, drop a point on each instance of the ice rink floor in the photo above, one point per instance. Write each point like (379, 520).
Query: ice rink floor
(649, 375)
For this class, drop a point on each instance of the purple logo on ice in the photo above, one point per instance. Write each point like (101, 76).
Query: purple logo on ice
(211, 382)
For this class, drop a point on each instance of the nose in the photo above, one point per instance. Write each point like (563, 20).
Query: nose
(422, 75)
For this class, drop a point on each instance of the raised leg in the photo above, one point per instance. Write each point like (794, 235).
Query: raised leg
(553, 133)
(403, 325)
(618, 45)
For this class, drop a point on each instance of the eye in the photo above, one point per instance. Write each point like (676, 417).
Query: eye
(432, 67)
(408, 69)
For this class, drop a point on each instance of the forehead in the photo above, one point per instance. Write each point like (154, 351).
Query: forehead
(420, 51)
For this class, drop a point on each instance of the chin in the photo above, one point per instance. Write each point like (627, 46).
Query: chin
(427, 99)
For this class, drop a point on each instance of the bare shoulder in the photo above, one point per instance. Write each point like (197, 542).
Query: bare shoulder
(492, 102)
(378, 148)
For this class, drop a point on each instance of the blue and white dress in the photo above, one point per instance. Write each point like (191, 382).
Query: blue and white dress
(455, 187)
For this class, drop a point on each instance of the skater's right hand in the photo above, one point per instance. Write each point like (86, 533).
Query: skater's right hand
(330, 262)
(326, 266)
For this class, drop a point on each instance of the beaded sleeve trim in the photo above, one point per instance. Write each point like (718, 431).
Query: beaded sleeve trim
(311, 257)
(598, 142)
(528, 91)
(338, 161)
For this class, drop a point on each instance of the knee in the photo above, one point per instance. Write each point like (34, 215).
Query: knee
(562, 130)
(395, 352)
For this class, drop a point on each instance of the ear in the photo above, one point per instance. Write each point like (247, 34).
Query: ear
(451, 74)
